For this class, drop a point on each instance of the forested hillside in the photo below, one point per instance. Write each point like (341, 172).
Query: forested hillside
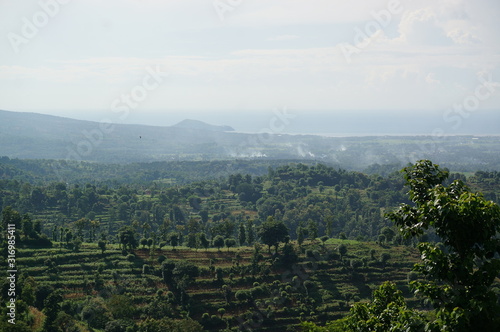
(255, 251)
(304, 197)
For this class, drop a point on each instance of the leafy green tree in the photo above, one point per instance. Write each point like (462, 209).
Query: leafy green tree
(300, 235)
(203, 240)
(195, 202)
(29, 291)
(117, 325)
(10, 216)
(94, 225)
(272, 232)
(192, 240)
(173, 238)
(80, 225)
(168, 324)
(250, 235)
(27, 225)
(387, 312)
(95, 313)
(167, 268)
(204, 216)
(388, 232)
(329, 223)
(230, 243)
(384, 258)
(19, 326)
(77, 243)
(193, 226)
(290, 256)
(219, 273)
(120, 306)
(51, 310)
(342, 250)
(102, 245)
(42, 292)
(218, 242)
(126, 236)
(243, 295)
(458, 278)
(226, 290)
(242, 234)
(312, 229)
(333, 326)
(308, 285)
(185, 269)
(381, 239)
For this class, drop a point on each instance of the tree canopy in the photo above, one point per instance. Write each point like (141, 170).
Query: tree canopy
(458, 277)
(272, 232)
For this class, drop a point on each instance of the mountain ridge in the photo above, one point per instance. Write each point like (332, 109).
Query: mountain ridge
(200, 125)
(38, 136)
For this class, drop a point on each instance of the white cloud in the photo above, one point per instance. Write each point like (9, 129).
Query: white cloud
(259, 13)
(462, 37)
(421, 59)
(421, 27)
(431, 79)
(283, 38)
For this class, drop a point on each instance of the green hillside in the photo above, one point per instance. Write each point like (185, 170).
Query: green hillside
(319, 286)
(241, 252)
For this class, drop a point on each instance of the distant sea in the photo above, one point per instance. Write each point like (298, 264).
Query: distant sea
(376, 123)
(327, 123)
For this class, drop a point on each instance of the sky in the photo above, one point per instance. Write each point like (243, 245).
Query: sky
(160, 61)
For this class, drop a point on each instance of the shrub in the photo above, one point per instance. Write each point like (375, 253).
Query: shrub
(161, 259)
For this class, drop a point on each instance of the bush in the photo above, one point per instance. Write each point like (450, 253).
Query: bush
(243, 296)
(356, 263)
(412, 276)
(385, 257)
(161, 259)
(118, 325)
(95, 313)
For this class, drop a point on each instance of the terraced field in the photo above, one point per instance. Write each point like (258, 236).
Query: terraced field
(320, 286)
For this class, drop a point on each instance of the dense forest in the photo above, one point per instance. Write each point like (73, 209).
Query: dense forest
(139, 247)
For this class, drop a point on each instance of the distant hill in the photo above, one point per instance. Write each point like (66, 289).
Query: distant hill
(37, 136)
(200, 125)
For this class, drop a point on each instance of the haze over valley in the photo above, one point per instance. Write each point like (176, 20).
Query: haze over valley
(31, 135)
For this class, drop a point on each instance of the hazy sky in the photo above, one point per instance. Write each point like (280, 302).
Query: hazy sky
(93, 59)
